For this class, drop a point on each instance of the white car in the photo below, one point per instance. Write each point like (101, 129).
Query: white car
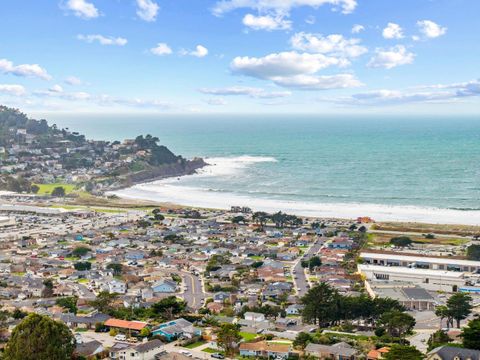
(186, 353)
(120, 337)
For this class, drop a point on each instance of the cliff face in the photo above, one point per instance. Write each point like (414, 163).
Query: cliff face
(180, 168)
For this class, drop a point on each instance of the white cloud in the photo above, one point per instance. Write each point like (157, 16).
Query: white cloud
(245, 90)
(280, 6)
(216, 101)
(357, 28)
(390, 58)
(82, 9)
(430, 29)
(292, 69)
(200, 51)
(103, 40)
(333, 44)
(267, 22)
(435, 94)
(72, 80)
(161, 49)
(24, 70)
(147, 10)
(56, 89)
(392, 31)
(12, 89)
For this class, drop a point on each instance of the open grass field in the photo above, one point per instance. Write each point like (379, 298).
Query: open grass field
(383, 239)
(46, 189)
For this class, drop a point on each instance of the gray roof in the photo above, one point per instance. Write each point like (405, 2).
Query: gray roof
(450, 352)
(149, 345)
(341, 348)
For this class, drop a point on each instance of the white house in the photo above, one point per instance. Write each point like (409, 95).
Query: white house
(116, 286)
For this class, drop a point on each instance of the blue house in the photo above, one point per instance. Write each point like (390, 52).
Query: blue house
(175, 329)
(164, 286)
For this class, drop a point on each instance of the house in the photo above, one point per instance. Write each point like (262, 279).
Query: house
(164, 286)
(135, 326)
(144, 351)
(294, 309)
(338, 351)
(175, 329)
(221, 297)
(253, 316)
(453, 353)
(84, 322)
(265, 349)
(89, 349)
(377, 354)
(116, 286)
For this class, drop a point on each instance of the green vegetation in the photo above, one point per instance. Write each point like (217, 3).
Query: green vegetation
(47, 189)
(68, 303)
(195, 344)
(471, 335)
(227, 338)
(247, 336)
(38, 337)
(403, 352)
(473, 252)
(401, 241)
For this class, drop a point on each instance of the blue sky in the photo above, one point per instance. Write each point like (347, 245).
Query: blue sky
(234, 56)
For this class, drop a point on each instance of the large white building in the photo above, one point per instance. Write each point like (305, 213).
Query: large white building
(437, 280)
(384, 258)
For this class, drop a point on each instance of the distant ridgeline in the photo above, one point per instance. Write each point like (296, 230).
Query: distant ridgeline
(33, 152)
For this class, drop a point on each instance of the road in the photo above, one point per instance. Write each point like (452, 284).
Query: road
(194, 294)
(299, 276)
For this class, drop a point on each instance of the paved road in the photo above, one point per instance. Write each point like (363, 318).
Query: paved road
(300, 279)
(194, 294)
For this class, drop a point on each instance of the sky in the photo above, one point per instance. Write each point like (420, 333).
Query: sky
(241, 56)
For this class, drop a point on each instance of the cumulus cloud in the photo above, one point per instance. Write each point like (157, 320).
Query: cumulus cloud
(392, 57)
(392, 31)
(82, 9)
(200, 51)
(357, 28)
(147, 10)
(280, 6)
(12, 89)
(429, 94)
(334, 44)
(266, 22)
(73, 80)
(245, 90)
(431, 30)
(103, 40)
(161, 49)
(24, 70)
(295, 70)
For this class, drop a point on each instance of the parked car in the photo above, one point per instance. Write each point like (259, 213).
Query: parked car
(120, 337)
(218, 356)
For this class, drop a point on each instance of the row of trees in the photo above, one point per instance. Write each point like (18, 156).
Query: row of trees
(458, 308)
(280, 219)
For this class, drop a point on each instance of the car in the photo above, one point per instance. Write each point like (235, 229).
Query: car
(218, 356)
(132, 340)
(186, 353)
(120, 337)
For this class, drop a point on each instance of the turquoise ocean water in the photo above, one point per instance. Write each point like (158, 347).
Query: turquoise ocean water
(409, 168)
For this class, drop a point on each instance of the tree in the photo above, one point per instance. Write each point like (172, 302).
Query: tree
(80, 251)
(401, 241)
(35, 188)
(438, 338)
(473, 252)
(82, 265)
(169, 307)
(145, 332)
(116, 268)
(38, 337)
(403, 352)
(228, 337)
(103, 302)
(260, 218)
(320, 304)
(459, 306)
(443, 313)
(311, 263)
(239, 219)
(58, 191)
(302, 340)
(397, 323)
(471, 335)
(69, 303)
(48, 288)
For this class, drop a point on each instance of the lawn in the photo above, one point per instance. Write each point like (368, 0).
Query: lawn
(248, 336)
(211, 351)
(46, 189)
(194, 345)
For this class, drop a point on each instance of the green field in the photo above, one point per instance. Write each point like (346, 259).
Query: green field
(194, 345)
(46, 189)
(248, 336)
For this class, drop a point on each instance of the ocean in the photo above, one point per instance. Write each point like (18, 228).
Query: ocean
(415, 168)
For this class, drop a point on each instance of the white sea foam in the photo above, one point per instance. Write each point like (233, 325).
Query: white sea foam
(174, 191)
